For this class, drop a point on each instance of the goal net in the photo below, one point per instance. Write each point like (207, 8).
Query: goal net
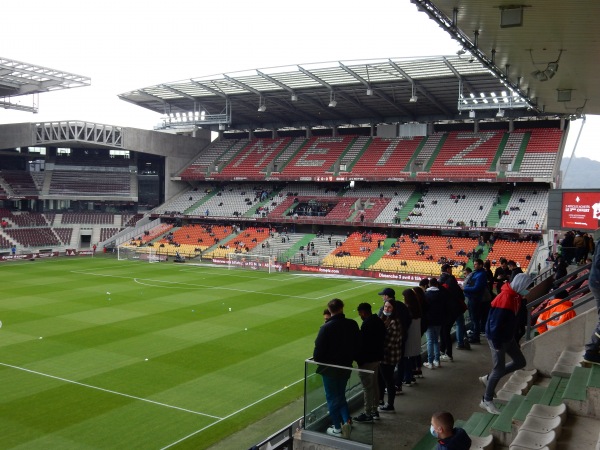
(146, 254)
(250, 262)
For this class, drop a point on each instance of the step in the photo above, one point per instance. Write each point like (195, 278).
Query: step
(482, 442)
(531, 440)
(533, 396)
(472, 422)
(549, 412)
(518, 383)
(542, 425)
(502, 428)
(551, 390)
(569, 358)
(484, 425)
(577, 385)
(582, 396)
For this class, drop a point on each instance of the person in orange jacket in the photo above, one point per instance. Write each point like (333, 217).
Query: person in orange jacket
(555, 311)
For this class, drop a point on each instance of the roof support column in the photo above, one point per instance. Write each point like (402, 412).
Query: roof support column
(372, 130)
(308, 132)
(334, 131)
(251, 134)
(476, 126)
(511, 125)
(274, 133)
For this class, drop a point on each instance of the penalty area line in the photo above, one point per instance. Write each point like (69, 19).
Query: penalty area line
(35, 372)
(232, 414)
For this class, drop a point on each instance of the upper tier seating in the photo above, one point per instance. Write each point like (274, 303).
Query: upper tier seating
(463, 154)
(20, 182)
(92, 161)
(466, 154)
(255, 157)
(317, 157)
(88, 218)
(385, 158)
(76, 183)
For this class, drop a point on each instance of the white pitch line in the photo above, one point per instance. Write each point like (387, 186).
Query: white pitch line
(111, 392)
(204, 286)
(230, 415)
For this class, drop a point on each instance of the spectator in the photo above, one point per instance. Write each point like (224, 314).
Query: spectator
(336, 344)
(370, 353)
(392, 353)
(412, 349)
(436, 315)
(449, 437)
(475, 289)
(500, 331)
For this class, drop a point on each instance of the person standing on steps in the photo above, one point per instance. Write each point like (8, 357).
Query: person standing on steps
(500, 331)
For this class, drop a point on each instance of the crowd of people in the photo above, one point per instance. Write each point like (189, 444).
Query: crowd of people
(387, 344)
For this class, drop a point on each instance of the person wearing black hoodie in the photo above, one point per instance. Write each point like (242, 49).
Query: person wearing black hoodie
(448, 436)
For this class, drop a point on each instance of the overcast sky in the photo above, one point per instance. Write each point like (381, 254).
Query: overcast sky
(129, 44)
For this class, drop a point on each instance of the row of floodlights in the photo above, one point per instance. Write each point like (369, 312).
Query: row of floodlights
(492, 98)
(186, 116)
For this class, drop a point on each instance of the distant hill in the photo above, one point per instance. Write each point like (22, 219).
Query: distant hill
(584, 173)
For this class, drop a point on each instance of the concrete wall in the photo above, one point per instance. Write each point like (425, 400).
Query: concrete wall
(17, 135)
(178, 151)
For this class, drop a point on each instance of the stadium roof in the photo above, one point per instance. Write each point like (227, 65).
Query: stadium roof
(18, 78)
(549, 47)
(339, 93)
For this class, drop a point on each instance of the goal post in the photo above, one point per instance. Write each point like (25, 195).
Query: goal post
(145, 254)
(250, 262)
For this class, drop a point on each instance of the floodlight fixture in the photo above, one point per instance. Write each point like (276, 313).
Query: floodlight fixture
(471, 114)
(413, 97)
(551, 69)
(261, 106)
(369, 91)
(462, 51)
(500, 113)
(222, 127)
(332, 101)
(294, 98)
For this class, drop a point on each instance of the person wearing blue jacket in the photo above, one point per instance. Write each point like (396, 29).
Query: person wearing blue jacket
(500, 330)
(474, 291)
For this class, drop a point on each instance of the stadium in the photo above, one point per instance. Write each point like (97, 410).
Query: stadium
(167, 285)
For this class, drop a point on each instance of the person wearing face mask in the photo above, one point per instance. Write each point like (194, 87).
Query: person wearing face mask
(500, 330)
(449, 438)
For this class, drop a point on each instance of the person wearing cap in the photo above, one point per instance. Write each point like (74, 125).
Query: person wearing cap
(500, 330)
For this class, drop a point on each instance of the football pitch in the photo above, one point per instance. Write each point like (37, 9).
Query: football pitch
(99, 353)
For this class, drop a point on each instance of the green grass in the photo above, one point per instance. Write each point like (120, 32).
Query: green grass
(73, 357)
